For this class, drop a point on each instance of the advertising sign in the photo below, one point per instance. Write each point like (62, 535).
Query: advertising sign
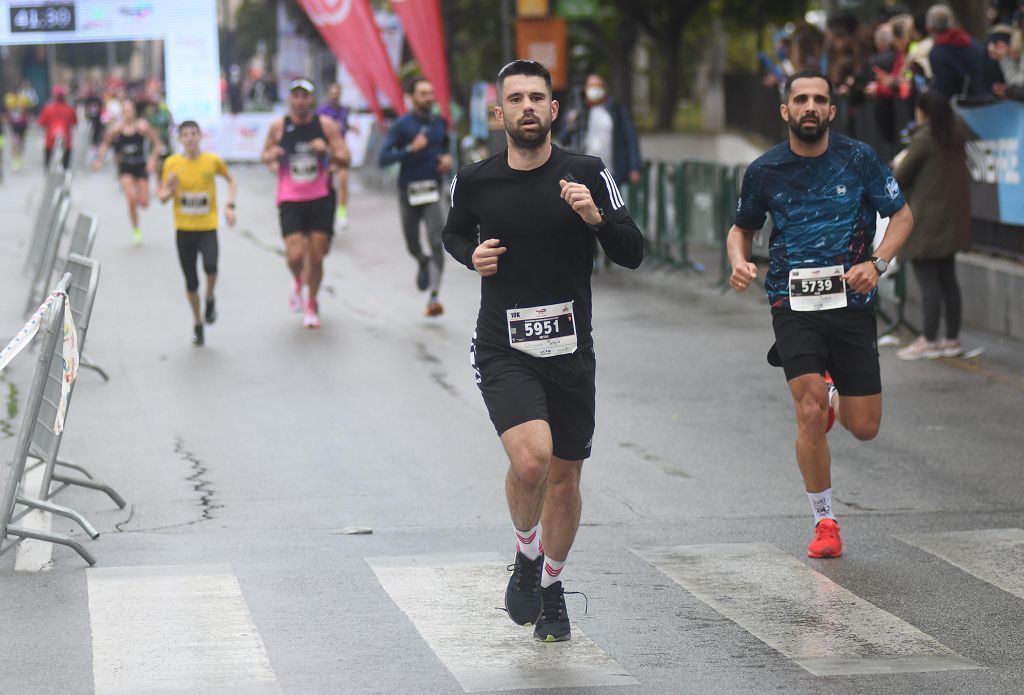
(994, 161)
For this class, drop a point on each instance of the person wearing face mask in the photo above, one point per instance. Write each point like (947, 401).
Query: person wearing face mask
(602, 127)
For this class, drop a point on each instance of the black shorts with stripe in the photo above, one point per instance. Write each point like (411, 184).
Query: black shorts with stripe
(561, 390)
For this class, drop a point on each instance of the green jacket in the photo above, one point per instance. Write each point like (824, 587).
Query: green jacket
(936, 184)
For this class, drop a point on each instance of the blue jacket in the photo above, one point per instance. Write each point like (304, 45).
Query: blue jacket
(415, 166)
(625, 148)
(959, 66)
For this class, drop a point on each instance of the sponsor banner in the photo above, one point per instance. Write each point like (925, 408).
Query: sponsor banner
(349, 29)
(994, 161)
(188, 29)
(240, 138)
(423, 28)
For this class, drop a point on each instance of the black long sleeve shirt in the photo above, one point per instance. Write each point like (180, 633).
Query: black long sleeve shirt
(550, 248)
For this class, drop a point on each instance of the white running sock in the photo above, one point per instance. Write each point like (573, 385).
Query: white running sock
(821, 505)
(528, 543)
(552, 572)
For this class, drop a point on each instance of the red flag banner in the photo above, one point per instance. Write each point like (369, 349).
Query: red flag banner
(421, 20)
(351, 33)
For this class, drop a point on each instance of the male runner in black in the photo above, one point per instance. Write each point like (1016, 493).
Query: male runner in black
(822, 191)
(539, 209)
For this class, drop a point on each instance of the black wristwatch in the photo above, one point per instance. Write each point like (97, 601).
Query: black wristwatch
(881, 265)
(601, 224)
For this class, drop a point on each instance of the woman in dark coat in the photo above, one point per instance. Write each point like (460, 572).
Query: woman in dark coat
(933, 176)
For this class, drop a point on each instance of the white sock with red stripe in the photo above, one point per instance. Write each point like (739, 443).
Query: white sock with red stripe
(552, 572)
(528, 543)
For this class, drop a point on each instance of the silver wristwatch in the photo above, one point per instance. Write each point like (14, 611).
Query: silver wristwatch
(881, 265)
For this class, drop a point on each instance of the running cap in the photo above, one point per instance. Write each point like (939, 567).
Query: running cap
(301, 83)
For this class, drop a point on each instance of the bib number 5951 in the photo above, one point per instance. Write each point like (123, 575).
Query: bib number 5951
(539, 328)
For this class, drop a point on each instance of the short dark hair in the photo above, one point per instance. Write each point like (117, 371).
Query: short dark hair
(529, 68)
(410, 86)
(189, 124)
(807, 74)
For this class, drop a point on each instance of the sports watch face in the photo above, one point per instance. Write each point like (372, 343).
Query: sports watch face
(881, 265)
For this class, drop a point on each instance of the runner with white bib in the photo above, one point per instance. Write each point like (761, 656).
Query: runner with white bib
(191, 179)
(419, 142)
(538, 210)
(822, 191)
(300, 149)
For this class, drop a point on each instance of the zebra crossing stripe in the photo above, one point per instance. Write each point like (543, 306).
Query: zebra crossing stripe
(174, 630)
(482, 648)
(800, 613)
(991, 555)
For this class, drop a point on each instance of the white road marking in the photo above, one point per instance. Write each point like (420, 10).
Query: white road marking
(451, 601)
(800, 613)
(993, 555)
(174, 630)
(33, 555)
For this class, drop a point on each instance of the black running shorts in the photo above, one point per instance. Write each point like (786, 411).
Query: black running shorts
(307, 216)
(518, 388)
(842, 341)
(136, 171)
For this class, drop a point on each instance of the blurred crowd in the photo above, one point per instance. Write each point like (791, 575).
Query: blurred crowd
(888, 63)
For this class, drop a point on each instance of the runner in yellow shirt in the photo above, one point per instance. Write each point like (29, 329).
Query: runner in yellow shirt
(191, 178)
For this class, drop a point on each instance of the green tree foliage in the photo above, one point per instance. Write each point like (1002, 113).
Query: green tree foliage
(256, 22)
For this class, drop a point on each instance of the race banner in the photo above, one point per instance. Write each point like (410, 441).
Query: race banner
(425, 33)
(994, 161)
(338, 21)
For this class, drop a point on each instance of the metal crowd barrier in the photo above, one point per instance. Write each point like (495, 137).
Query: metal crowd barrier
(55, 186)
(82, 239)
(694, 203)
(84, 275)
(48, 254)
(14, 503)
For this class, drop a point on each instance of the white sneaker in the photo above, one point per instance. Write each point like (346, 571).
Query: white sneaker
(310, 317)
(951, 348)
(297, 298)
(920, 349)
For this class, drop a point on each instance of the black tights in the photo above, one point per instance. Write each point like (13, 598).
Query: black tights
(190, 245)
(939, 288)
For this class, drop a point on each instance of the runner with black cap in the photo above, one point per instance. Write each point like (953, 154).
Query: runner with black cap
(300, 149)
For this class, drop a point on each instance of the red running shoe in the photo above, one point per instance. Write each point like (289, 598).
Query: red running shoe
(832, 391)
(827, 542)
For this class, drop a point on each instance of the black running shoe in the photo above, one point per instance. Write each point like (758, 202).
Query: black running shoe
(211, 311)
(522, 597)
(553, 624)
(197, 335)
(423, 274)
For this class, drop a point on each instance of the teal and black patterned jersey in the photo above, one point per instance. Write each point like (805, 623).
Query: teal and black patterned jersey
(823, 209)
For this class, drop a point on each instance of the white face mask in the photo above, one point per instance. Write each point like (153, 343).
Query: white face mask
(595, 93)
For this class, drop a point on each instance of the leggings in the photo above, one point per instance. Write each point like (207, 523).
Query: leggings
(190, 245)
(937, 279)
(411, 218)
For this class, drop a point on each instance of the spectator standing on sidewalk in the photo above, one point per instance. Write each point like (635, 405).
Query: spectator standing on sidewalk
(602, 127)
(933, 176)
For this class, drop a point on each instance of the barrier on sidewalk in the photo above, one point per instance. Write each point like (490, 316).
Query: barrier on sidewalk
(14, 503)
(48, 205)
(84, 235)
(48, 254)
(83, 274)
